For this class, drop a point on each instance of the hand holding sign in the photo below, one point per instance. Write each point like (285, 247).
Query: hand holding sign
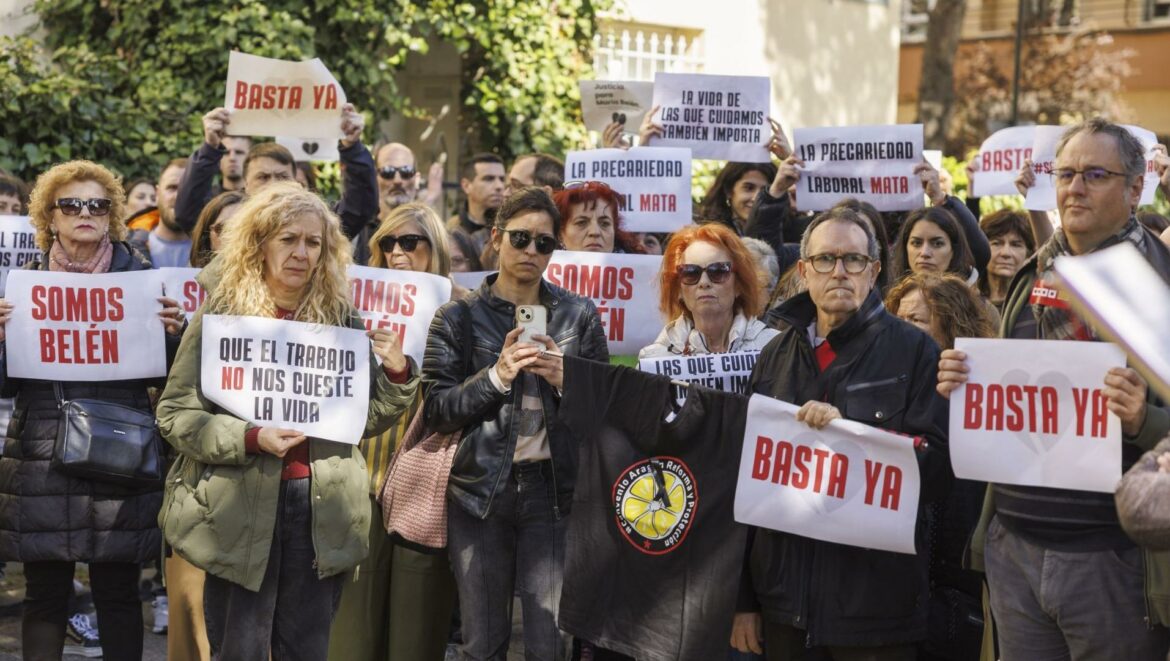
(649, 128)
(817, 414)
(778, 145)
(277, 441)
(786, 176)
(1026, 178)
(5, 315)
(931, 183)
(215, 127)
(388, 347)
(952, 371)
(352, 125)
(172, 315)
(1125, 391)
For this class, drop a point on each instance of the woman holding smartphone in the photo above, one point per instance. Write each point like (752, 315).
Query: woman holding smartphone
(512, 477)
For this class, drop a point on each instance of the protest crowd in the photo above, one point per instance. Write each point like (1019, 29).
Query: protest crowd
(824, 413)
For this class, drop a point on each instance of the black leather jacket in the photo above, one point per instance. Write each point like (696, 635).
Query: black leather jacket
(884, 375)
(455, 400)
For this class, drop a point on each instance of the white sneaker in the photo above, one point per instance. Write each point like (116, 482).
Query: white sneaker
(161, 614)
(81, 637)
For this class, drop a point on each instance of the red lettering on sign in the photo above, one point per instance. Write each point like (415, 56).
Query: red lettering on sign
(800, 467)
(889, 185)
(1092, 412)
(251, 96)
(82, 304)
(996, 407)
(79, 347)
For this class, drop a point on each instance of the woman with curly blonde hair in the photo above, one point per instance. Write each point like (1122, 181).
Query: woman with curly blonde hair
(943, 305)
(275, 518)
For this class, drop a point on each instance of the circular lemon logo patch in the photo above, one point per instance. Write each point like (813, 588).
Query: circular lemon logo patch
(655, 501)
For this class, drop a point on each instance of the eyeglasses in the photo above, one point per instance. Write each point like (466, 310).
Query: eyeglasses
(545, 243)
(408, 242)
(1092, 176)
(72, 206)
(826, 263)
(388, 172)
(717, 272)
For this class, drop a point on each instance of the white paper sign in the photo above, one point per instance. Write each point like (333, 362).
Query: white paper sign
(85, 327)
(275, 373)
(403, 301)
(18, 245)
(470, 279)
(622, 101)
(279, 97)
(1150, 183)
(654, 183)
(728, 372)
(873, 164)
(1127, 301)
(1033, 413)
(999, 160)
(311, 149)
(623, 287)
(179, 283)
(717, 117)
(1042, 195)
(848, 483)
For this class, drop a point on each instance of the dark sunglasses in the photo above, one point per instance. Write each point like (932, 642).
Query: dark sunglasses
(388, 172)
(545, 243)
(72, 206)
(717, 272)
(408, 242)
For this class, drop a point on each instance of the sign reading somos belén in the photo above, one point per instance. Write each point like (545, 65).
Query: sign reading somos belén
(1033, 413)
(623, 287)
(403, 301)
(179, 283)
(311, 378)
(282, 98)
(85, 326)
(718, 117)
(848, 483)
(728, 372)
(873, 164)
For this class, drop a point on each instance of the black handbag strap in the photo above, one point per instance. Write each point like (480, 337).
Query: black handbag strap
(59, 393)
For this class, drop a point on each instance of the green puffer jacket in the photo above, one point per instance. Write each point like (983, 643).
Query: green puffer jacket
(219, 503)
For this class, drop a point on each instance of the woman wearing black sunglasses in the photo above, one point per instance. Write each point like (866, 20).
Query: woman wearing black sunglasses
(397, 603)
(710, 293)
(50, 520)
(513, 475)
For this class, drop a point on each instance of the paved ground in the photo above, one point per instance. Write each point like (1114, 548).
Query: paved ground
(12, 593)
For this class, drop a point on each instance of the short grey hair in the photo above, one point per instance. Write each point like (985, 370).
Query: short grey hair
(843, 215)
(765, 256)
(1131, 151)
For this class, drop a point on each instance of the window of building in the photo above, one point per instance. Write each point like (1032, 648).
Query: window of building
(915, 16)
(1158, 10)
(633, 51)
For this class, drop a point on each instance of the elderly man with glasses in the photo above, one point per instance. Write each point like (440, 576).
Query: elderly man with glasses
(844, 356)
(1065, 581)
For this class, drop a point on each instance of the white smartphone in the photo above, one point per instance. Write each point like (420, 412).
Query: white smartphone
(533, 319)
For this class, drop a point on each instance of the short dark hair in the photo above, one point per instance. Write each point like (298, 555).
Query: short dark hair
(11, 186)
(271, 150)
(1006, 221)
(548, 170)
(845, 215)
(1129, 148)
(467, 247)
(529, 198)
(468, 171)
(173, 163)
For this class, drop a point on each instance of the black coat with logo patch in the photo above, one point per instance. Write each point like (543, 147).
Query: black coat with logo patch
(884, 375)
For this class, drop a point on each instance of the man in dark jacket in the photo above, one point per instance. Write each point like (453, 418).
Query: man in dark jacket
(512, 477)
(844, 356)
(359, 197)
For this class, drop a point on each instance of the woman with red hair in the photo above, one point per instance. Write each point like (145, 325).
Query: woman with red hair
(592, 222)
(710, 292)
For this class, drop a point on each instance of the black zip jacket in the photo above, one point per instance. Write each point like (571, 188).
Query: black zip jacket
(884, 375)
(455, 400)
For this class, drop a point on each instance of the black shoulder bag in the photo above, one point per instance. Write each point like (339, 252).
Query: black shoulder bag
(107, 442)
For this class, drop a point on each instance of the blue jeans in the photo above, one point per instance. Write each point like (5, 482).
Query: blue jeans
(520, 548)
(292, 611)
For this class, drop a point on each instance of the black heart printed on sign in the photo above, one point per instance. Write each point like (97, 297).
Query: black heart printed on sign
(1038, 442)
(310, 148)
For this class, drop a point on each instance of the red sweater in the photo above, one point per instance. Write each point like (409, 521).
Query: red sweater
(296, 460)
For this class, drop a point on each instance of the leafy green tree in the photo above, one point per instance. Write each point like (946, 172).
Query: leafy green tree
(124, 82)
